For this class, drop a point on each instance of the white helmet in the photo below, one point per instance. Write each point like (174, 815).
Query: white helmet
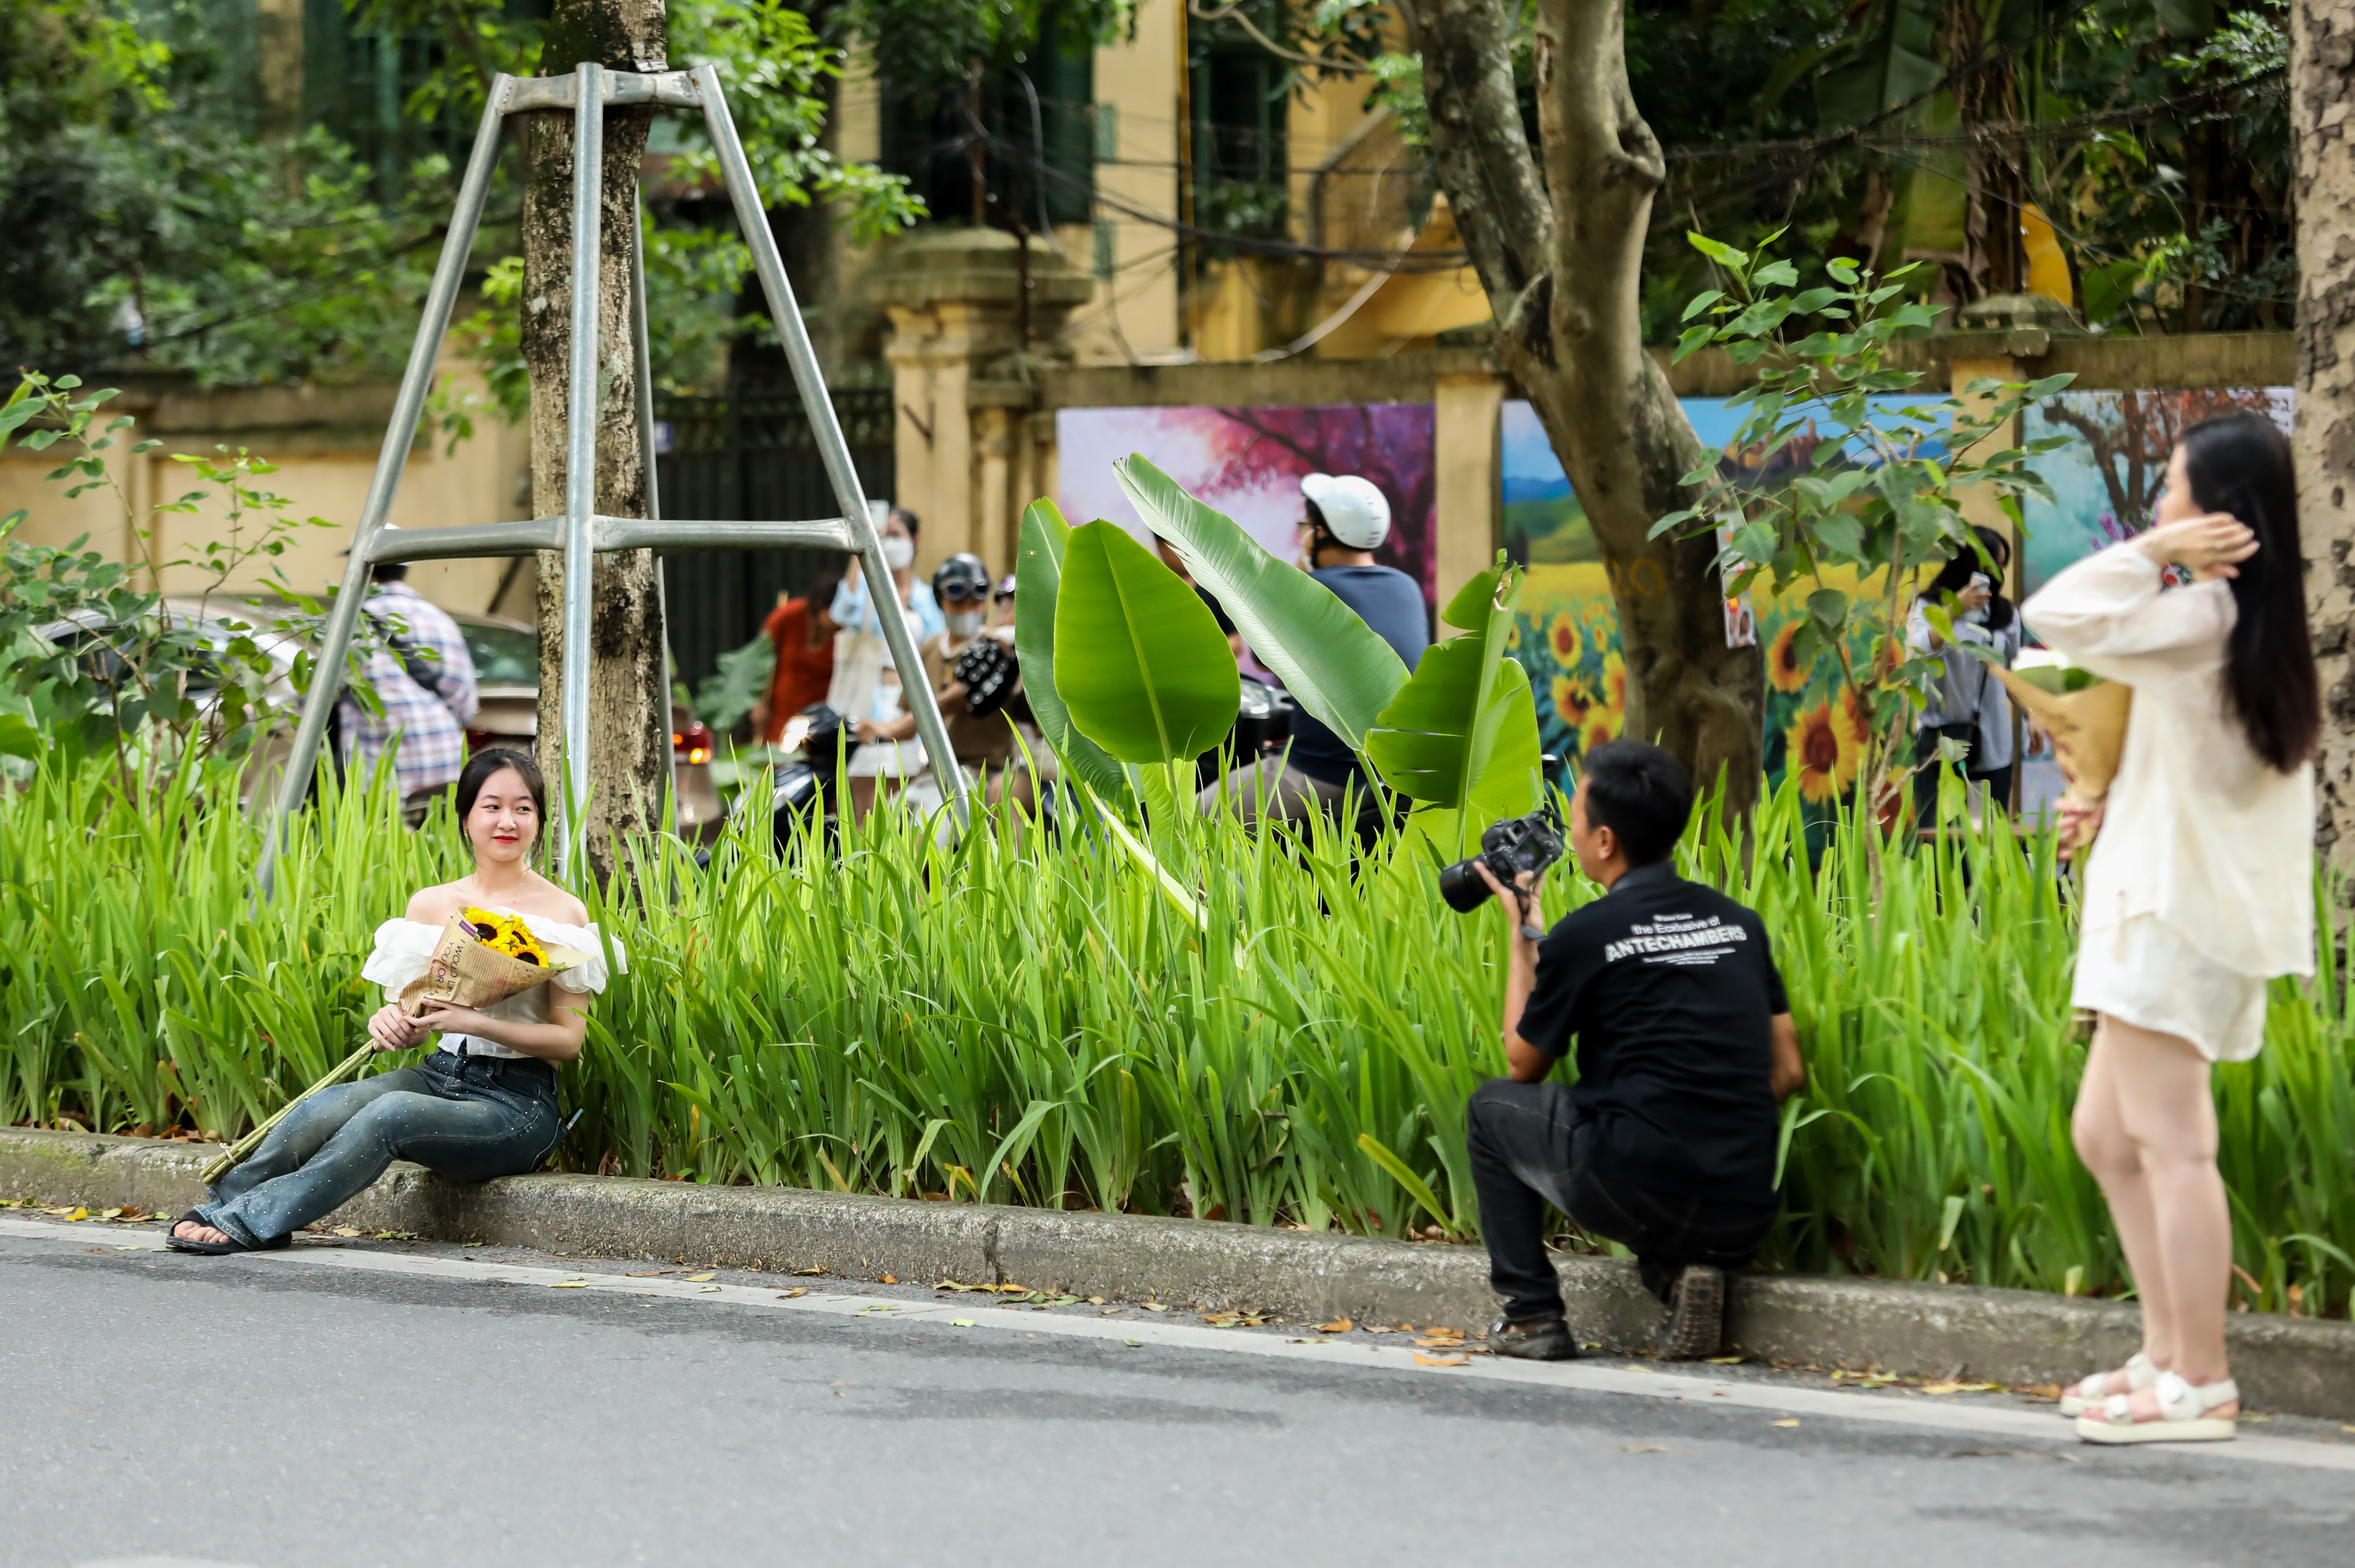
(1356, 511)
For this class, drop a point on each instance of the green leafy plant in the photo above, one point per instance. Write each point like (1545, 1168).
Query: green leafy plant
(1140, 665)
(1461, 737)
(1038, 586)
(93, 658)
(1332, 663)
(1846, 474)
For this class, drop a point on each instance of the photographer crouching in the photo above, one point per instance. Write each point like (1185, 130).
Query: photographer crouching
(1666, 1143)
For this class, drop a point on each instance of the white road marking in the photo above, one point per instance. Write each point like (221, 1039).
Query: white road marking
(1589, 1376)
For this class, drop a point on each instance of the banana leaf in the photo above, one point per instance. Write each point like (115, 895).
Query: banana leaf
(1334, 664)
(1140, 664)
(1437, 741)
(1036, 582)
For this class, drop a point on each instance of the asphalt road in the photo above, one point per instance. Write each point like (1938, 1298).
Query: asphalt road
(396, 1407)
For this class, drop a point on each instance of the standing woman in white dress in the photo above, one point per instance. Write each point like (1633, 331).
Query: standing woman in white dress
(482, 1105)
(2198, 890)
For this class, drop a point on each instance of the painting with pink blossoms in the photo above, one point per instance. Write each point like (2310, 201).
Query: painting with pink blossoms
(1248, 462)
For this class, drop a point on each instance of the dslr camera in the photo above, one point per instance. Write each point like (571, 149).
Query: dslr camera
(1508, 849)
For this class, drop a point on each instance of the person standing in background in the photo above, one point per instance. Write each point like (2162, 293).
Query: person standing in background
(423, 678)
(1970, 705)
(1345, 518)
(802, 630)
(854, 612)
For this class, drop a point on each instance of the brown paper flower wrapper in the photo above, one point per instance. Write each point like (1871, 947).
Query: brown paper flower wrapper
(465, 973)
(2088, 729)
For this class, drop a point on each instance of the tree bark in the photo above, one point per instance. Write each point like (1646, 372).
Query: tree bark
(2322, 92)
(1560, 249)
(629, 708)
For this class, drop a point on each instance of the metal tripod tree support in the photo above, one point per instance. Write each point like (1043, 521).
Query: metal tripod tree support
(582, 532)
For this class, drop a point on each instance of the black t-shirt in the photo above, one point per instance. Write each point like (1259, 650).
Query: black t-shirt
(1670, 987)
(1387, 599)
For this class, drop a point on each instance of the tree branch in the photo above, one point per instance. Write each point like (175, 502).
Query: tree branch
(1495, 190)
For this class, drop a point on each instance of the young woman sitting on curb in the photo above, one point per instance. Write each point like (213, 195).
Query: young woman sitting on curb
(484, 1103)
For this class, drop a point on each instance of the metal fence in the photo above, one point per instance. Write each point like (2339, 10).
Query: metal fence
(753, 457)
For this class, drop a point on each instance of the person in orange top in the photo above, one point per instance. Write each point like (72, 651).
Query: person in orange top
(803, 634)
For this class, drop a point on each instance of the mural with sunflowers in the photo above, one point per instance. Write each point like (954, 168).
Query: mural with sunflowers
(2104, 482)
(1567, 631)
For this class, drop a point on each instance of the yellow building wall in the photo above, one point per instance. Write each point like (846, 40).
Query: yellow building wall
(325, 442)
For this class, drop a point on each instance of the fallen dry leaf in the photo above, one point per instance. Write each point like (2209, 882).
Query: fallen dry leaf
(1338, 1326)
(706, 1289)
(1154, 1306)
(1423, 1360)
(1095, 1301)
(804, 1272)
(1936, 1389)
(110, 1213)
(1724, 1361)
(789, 1294)
(571, 1284)
(347, 1230)
(699, 1278)
(959, 1322)
(1441, 1342)
(1791, 1422)
(891, 1279)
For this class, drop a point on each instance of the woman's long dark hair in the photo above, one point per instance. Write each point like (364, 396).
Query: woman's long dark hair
(2239, 463)
(1990, 558)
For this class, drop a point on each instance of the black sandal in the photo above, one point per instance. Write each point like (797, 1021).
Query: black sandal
(177, 1243)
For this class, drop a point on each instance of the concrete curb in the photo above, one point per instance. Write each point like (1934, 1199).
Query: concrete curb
(2290, 1365)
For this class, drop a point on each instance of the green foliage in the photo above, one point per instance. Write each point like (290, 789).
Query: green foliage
(88, 660)
(1332, 663)
(1140, 665)
(1038, 584)
(1030, 1021)
(1462, 733)
(925, 48)
(1876, 475)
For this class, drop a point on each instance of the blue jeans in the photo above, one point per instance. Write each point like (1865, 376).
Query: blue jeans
(469, 1118)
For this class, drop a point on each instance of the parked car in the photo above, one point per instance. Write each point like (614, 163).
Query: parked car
(507, 688)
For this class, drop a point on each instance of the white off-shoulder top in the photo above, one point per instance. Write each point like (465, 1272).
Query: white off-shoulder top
(404, 949)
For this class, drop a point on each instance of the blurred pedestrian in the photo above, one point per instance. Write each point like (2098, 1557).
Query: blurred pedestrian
(423, 678)
(802, 630)
(1970, 709)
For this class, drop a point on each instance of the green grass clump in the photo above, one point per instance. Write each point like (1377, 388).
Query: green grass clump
(1017, 1021)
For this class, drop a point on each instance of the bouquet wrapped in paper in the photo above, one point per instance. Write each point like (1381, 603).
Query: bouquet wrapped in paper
(2085, 716)
(483, 958)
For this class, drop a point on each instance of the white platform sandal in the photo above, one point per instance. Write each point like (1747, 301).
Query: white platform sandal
(2079, 1398)
(2182, 1416)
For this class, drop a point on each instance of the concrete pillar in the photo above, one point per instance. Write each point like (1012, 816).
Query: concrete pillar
(1467, 448)
(960, 377)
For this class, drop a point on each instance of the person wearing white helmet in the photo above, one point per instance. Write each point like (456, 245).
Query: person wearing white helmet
(1345, 519)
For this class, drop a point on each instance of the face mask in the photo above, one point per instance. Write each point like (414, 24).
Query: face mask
(899, 554)
(965, 622)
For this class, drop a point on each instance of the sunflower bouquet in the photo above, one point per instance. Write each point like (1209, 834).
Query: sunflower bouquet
(485, 956)
(2085, 716)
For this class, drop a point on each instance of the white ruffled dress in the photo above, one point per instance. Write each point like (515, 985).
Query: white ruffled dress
(404, 949)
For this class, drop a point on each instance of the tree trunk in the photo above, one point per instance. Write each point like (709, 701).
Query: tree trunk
(2322, 92)
(629, 709)
(1561, 253)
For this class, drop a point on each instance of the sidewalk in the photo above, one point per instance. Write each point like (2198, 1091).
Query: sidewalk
(2008, 1337)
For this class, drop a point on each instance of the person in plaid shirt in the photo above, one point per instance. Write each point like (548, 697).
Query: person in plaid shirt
(424, 678)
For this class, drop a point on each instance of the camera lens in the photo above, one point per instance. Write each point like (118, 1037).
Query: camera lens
(1461, 886)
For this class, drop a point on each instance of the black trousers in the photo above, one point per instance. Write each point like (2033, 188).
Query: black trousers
(1997, 782)
(1526, 1152)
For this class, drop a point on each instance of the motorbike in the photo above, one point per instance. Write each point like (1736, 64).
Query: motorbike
(809, 793)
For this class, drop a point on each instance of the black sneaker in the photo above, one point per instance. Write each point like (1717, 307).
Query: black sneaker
(1694, 1327)
(1543, 1339)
